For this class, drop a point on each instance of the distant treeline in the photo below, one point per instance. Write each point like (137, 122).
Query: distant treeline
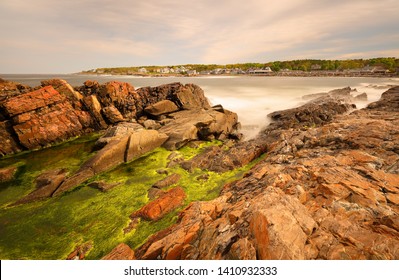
(388, 63)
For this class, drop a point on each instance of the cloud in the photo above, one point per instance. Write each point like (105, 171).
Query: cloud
(177, 32)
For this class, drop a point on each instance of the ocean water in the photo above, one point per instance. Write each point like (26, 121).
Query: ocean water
(252, 98)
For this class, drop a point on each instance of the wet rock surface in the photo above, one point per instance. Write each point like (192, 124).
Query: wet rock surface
(325, 192)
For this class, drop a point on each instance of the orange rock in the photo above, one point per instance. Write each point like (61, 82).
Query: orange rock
(161, 206)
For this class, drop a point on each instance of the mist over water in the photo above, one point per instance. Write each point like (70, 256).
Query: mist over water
(252, 98)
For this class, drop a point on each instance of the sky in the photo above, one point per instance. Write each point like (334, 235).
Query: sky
(68, 36)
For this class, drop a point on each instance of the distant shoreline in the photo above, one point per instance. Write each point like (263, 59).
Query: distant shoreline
(273, 74)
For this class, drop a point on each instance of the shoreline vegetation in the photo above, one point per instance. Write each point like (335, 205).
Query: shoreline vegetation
(374, 67)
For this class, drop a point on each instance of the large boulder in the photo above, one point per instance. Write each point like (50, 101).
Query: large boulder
(314, 113)
(31, 101)
(189, 97)
(199, 124)
(44, 116)
(389, 101)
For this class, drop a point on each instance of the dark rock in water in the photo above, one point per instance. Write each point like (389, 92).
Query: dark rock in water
(313, 113)
(341, 92)
(203, 177)
(165, 203)
(120, 252)
(389, 101)
(168, 181)
(161, 107)
(110, 156)
(46, 184)
(7, 173)
(361, 97)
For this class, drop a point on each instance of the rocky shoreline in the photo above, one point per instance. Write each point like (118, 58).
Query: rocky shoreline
(326, 184)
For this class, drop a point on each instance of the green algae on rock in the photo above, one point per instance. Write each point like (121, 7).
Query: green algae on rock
(54, 228)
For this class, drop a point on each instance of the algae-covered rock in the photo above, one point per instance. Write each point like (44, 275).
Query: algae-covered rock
(46, 184)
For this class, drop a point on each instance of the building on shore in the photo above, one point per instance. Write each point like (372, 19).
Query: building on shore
(264, 71)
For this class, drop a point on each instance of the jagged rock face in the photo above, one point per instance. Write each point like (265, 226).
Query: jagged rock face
(389, 101)
(55, 111)
(315, 112)
(44, 116)
(327, 192)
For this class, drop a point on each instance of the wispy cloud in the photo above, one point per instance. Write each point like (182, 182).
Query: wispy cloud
(116, 32)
